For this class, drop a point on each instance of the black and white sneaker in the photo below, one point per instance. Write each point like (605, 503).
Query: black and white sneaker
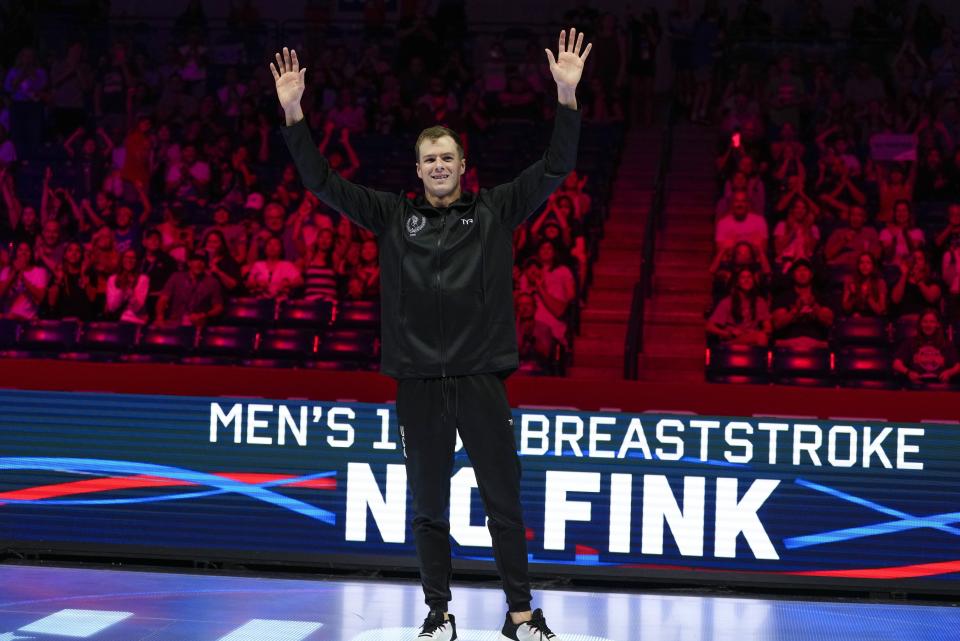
(533, 630)
(435, 628)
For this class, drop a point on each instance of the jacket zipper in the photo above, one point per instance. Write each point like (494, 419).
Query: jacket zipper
(443, 230)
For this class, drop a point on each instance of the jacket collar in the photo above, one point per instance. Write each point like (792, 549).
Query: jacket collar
(465, 202)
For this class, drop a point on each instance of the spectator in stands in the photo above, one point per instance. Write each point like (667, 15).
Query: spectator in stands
(554, 287)
(104, 262)
(574, 187)
(916, 288)
(275, 225)
(49, 246)
(901, 237)
(741, 225)
(26, 83)
(320, 276)
(865, 291)
(846, 243)
(933, 179)
(600, 106)
(785, 94)
(92, 159)
(535, 341)
(796, 237)
(177, 235)
(8, 151)
(748, 182)
(24, 221)
(800, 318)
(643, 38)
(928, 357)
(273, 276)
(837, 188)
(71, 80)
(127, 291)
(864, 86)
(157, 265)
(894, 186)
(191, 297)
(221, 264)
(23, 285)
(368, 270)
(343, 160)
(70, 296)
(951, 279)
(743, 255)
(948, 238)
(743, 317)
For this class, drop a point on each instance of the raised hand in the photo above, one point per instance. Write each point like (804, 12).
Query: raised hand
(290, 83)
(567, 67)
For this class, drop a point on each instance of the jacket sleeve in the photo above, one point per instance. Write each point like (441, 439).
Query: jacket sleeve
(514, 201)
(365, 207)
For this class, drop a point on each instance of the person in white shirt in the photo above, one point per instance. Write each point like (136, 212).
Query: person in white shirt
(741, 225)
(274, 277)
(127, 291)
(23, 285)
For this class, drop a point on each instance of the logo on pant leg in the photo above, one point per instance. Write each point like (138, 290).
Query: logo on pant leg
(403, 442)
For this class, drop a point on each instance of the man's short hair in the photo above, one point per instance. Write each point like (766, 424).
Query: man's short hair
(435, 133)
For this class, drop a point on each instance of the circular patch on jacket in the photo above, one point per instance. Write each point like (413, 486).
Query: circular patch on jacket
(415, 223)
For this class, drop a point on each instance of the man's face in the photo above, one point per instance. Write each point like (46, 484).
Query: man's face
(440, 166)
(802, 276)
(858, 218)
(152, 242)
(740, 206)
(273, 217)
(197, 266)
(51, 233)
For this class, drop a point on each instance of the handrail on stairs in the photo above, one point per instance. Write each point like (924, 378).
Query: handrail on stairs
(643, 288)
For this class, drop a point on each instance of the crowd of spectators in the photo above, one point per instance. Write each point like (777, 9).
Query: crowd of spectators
(147, 186)
(839, 184)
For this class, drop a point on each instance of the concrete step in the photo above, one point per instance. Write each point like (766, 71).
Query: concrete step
(667, 258)
(666, 283)
(614, 280)
(618, 256)
(667, 365)
(672, 315)
(609, 346)
(600, 315)
(601, 331)
(682, 302)
(672, 231)
(674, 376)
(611, 298)
(588, 359)
(656, 334)
(604, 267)
(624, 226)
(583, 372)
(696, 246)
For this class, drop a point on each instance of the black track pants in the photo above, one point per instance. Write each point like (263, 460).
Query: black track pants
(429, 412)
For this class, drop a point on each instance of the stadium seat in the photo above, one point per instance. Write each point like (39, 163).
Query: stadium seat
(865, 368)
(48, 336)
(227, 341)
(175, 341)
(809, 367)
(9, 331)
(108, 337)
(348, 344)
(258, 312)
(868, 331)
(737, 364)
(309, 314)
(904, 330)
(283, 348)
(358, 314)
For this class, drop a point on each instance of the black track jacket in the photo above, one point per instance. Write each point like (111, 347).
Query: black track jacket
(445, 274)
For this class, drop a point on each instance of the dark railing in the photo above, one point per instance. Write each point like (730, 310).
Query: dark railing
(643, 288)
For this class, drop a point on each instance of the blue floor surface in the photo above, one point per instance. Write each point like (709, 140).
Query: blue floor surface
(48, 604)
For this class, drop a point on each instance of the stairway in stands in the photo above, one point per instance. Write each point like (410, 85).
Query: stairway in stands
(673, 341)
(598, 350)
